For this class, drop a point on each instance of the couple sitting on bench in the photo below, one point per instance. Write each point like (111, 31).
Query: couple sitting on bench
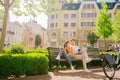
(71, 51)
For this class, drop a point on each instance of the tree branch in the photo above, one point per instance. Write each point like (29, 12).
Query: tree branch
(2, 3)
(11, 3)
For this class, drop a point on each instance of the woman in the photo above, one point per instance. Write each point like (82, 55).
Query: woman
(67, 52)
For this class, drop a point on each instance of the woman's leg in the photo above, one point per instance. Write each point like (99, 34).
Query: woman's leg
(68, 58)
(59, 54)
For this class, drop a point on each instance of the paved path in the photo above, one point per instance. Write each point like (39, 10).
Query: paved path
(96, 74)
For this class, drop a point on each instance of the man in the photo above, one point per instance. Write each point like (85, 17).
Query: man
(83, 56)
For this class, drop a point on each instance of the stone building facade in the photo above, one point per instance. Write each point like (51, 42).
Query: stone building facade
(76, 20)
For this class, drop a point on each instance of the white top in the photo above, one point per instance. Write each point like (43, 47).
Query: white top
(75, 48)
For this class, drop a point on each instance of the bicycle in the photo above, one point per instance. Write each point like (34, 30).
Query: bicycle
(110, 63)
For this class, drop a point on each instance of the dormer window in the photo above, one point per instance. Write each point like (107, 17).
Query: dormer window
(118, 6)
(66, 7)
(109, 6)
(73, 7)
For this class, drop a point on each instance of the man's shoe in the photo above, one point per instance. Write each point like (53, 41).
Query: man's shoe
(58, 57)
(86, 70)
(72, 68)
(89, 60)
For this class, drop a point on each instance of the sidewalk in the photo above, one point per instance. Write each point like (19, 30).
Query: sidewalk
(96, 74)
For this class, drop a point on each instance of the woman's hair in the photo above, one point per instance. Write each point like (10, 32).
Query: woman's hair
(65, 45)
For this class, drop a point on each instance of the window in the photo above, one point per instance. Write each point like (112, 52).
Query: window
(84, 24)
(84, 6)
(88, 14)
(73, 33)
(66, 16)
(81, 14)
(52, 16)
(65, 24)
(65, 34)
(73, 16)
(84, 15)
(56, 24)
(92, 23)
(53, 44)
(0, 29)
(56, 16)
(88, 23)
(53, 36)
(92, 6)
(66, 7)
(94, 15)
(51, 24)
(88, 6)
(73, 7)
(81, 23)
(73, 24)
(118, 6)
(110, 15)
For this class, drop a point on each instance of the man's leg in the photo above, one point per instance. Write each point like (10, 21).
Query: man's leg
(84, 61)
(82, 57)
(87, 58)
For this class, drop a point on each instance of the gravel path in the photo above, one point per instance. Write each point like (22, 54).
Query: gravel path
(96, 74)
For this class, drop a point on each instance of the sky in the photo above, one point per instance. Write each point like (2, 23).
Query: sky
(41, 19)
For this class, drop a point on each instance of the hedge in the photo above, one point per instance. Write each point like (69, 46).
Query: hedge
(45, 52)
(23, 64)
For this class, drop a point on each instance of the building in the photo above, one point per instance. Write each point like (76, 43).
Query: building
(14, 33)
(32, 29)
(28, 37)
(76, 20)
(24, 33)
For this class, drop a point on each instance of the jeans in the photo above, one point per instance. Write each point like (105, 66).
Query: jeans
(67, 57)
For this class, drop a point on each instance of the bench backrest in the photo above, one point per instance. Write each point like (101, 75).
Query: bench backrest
(53, 52)
(93, 52)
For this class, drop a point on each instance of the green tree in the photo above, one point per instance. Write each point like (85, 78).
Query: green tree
(30, 7)
(37, 40)
(92, 38)
(103, 23)
(116, 27)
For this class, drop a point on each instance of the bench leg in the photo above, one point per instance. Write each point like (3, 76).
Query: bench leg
(58, 63)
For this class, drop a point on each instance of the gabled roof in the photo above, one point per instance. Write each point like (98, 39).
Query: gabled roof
(71, 6)
(25, 26)
(111, 5)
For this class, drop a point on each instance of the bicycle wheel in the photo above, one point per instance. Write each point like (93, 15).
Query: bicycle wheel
(108, 69)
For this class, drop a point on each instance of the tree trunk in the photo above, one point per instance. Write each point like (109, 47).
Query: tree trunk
(105, 44)
(4, 26)
(92, 45)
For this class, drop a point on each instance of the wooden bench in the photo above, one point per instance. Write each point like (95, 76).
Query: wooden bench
(53, 52)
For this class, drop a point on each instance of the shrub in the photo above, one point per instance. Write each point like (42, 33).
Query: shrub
(17, 48)
(6, 50)
(45, 52)
(23, 64)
